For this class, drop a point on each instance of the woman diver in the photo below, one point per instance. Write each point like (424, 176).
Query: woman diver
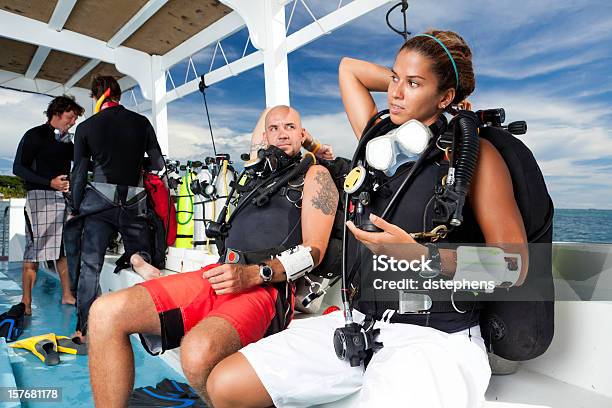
(431, 359)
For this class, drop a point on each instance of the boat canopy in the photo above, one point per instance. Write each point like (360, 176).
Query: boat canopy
(55, 47)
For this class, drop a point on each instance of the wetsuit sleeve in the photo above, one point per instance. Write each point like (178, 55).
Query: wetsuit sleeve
(25, 156)
(153, 149)
(78, 179)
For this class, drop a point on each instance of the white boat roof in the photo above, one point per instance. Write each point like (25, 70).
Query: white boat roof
(57, 46)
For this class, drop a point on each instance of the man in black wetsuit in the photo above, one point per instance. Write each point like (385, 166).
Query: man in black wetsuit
(43, 163)
(113, 142)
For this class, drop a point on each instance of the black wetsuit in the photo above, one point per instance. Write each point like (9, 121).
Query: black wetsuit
(40, 158)
(114, 141)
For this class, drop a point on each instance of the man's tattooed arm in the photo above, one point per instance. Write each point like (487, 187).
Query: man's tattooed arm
(326, 198)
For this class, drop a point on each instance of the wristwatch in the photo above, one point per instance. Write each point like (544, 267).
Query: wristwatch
(435, 263)
(265, 272)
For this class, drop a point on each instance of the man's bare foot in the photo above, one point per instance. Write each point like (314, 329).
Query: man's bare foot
(144, 269)
(68, 299)
(80, 336)
(28, 307)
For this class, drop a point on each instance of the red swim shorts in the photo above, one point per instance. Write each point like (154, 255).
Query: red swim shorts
(184, 299)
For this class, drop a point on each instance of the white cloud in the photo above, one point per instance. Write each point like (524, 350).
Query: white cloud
(192, 141)
(333, 129)
(19, 112)
(561, 132)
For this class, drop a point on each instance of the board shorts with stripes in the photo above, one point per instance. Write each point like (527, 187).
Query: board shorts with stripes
(45, 214)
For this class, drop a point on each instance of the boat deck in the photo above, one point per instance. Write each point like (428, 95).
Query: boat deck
(49, 316)
(569, 375)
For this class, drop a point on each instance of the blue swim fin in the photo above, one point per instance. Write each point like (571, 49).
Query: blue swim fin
(167, 393)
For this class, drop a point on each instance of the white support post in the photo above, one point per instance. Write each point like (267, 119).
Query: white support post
(261, 32)
(158, 106)
(276, 68)
(266, 24)
(17, 227)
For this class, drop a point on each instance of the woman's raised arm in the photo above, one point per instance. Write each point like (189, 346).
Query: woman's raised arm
(357, 79)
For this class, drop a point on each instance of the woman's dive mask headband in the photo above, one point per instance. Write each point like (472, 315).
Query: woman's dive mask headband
(401, 145)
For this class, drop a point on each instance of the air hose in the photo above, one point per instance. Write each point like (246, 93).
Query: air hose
(463, 163)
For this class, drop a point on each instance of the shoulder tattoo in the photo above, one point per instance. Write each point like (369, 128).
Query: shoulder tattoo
(326, 199)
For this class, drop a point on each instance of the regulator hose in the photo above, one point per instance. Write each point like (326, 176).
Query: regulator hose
(464, 159)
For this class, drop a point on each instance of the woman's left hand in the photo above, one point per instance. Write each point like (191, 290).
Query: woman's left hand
(391, 241)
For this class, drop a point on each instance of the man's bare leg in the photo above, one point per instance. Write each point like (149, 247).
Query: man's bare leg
(233, 383)
(205, 346)
(112, 318)
(62, 270)
(144, 269)
(28, 278)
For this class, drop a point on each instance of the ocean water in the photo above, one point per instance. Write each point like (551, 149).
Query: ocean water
(568, 225)
(582, 225)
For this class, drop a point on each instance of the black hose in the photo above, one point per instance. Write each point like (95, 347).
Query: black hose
(371, 129)
(409, 178)
(466, 143)
(202, 87)
(300, 168)
(467, 152)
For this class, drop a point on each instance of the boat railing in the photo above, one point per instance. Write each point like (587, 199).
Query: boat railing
(4, 237)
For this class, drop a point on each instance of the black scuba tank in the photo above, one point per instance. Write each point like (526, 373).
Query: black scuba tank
(518, 323)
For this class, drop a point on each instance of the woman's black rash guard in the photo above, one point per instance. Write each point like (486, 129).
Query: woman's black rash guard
(40, 158)
(115, 141)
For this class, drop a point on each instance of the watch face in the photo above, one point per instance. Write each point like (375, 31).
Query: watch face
(266, 273)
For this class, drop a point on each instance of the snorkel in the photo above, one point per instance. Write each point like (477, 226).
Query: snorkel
(101, 99)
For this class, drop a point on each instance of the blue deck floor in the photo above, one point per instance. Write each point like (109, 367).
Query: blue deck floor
(48, 315)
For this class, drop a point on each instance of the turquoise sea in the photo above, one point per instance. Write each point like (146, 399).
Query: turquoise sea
(582, 225)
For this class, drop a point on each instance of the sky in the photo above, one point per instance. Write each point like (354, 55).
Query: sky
(546, 62)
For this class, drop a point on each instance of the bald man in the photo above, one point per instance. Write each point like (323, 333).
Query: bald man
(213, 312)
(260, 141)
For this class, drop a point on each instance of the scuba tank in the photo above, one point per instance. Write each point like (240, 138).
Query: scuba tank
(211, 188)
(185, 210)
(201, 207)
(224, 181)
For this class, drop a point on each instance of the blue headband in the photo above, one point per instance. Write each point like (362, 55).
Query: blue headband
(447, 52)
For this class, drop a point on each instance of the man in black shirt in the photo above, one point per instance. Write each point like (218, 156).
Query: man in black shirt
(43, 162)
(113, 144)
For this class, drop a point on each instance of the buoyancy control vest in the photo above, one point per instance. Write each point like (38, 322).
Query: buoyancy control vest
(275, 224)
(413, 213)
(258, 232)
(516, 330)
